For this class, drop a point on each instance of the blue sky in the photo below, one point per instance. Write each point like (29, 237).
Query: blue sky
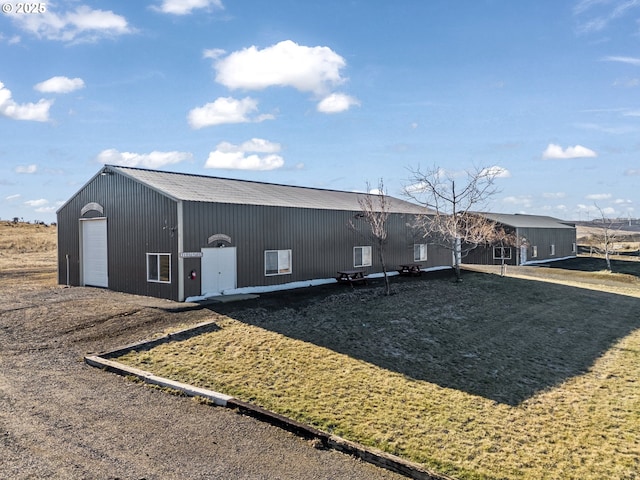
(330, 94)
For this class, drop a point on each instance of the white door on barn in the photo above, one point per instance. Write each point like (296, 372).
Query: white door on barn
(95, 263)
(523, 254)
(218, 270)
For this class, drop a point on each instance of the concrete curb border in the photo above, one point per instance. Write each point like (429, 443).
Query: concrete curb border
(367, 454)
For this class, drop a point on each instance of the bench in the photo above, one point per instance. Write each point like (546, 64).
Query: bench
(351, 277)
(410, 269)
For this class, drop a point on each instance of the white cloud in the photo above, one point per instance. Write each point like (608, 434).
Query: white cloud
(593, 211)
(82, 24)
(554, 151)
(598, 196)
(597, 15)
(225, 110)
(230, 156)
(609, 211)
(495, 172)
(336, 103)
(186, 7)
(286, 64)
(554, 195)
(36, 203)
(632, 172)
(628, 60)
(13, 40)
(37, 112)
(60, 85)
(623, 201)
(257, 145)
(10, 198)
(26, 168)
(627, 82)
(239, 161)
(521, 200)
(213, 53)
(154, 159)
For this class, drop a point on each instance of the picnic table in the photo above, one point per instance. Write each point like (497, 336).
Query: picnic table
(410, 269)
(351, 277)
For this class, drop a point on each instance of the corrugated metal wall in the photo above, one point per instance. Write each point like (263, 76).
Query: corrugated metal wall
(563, 238)
(321, 241)
(139, 221)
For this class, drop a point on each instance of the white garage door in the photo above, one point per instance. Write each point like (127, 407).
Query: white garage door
(94, 253)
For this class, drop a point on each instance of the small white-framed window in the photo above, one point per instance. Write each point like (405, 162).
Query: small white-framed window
(502, 253)
(534, 251)
(552, 249)
(362, 256)
(159, 267)
(277, 262)
(574, 248)
(419, 252)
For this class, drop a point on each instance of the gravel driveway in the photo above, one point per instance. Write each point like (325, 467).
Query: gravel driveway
(60, 418)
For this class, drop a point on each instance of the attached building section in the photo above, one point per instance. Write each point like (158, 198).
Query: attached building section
(539, 239)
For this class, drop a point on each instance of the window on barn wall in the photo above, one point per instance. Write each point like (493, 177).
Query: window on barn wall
(159, 267)
(574, 248)
(552, 249)
(502, 253)
(362, 256)
(277, 262)
(534, 251)
(419, 252)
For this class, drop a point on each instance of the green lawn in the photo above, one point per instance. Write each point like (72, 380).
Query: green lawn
(492, 378)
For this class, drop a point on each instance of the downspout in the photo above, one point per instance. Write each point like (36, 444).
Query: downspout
(180, 250)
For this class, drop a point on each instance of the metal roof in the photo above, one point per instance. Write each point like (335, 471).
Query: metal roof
(528, 221)
(200, 188)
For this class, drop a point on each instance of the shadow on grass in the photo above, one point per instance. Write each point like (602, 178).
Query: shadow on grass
(594, 264)
(504, 339)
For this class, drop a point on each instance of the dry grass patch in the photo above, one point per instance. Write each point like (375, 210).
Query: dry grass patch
(495, 378)
(28, 254)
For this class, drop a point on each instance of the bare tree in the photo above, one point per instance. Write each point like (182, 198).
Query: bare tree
(452, 202)
(604, 241)
(375, 212)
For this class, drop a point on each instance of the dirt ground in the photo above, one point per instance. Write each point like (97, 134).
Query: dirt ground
(60, 418)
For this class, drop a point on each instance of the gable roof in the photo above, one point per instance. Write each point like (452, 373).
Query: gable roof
(518, 220)
(201, 188)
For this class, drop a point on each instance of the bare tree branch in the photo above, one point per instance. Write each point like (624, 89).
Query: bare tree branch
(375, 212)
(604, 242)
(449, 220)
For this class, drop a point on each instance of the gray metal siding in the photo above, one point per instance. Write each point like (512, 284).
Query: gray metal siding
(139, 221)
(543, 238)
(321, 241)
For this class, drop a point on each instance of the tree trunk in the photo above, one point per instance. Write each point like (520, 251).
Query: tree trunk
(387, 285)
(457, 258)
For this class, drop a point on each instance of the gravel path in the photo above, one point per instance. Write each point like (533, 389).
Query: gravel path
(60, 418)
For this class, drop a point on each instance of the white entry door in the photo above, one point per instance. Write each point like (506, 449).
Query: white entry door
(95, 263)
(523, 254)
(218, 269)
